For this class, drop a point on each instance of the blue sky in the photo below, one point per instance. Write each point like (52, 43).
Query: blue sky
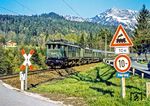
(85, 8)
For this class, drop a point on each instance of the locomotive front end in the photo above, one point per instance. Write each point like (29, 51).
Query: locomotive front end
(55, 55)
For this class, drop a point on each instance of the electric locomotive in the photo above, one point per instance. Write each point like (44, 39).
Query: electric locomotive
(63, 53)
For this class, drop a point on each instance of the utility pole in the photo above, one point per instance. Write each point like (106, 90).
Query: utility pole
(105, 45)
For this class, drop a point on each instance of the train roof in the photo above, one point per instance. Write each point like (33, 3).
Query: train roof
(96, 50)
(67, 43)
(101, 51)
(62, 42)
(110, 52)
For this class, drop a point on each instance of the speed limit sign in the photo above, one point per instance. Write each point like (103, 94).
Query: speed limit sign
(122, 63)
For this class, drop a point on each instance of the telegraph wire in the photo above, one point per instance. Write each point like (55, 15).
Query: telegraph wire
(25, 6)
(68, 5)
(9, 10)
(71, 8)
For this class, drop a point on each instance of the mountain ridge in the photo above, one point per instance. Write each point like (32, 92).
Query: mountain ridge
(112, 17)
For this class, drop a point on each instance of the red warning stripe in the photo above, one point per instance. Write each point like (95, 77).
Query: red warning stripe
(23, 52)
(22, 67)
(31, 52)
(31, 67)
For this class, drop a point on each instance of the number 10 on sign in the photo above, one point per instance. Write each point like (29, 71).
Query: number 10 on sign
(122, 63)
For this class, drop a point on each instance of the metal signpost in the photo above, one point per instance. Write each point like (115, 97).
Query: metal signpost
(147, 89)
(22, 79)
(122, 63)
(24, 66)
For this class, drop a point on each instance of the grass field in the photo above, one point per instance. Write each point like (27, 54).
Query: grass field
(96, 86)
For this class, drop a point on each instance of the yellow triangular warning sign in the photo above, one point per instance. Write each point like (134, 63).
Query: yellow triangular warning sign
(120, 38)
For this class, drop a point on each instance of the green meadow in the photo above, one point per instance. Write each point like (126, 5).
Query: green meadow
(96, 86)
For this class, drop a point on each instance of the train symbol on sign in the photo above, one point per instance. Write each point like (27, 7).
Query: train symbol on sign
(120, 39)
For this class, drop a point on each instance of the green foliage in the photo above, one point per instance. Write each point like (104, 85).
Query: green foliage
(82, 40)
(99, 39)
(90, 41)
(14, 56)
(143, 18)
(38, 58)
(5, 64)
(2, 39)
(11, 59)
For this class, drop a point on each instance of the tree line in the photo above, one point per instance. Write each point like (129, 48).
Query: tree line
(32, 32)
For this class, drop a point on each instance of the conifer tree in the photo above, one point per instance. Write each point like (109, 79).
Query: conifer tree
(141, 35)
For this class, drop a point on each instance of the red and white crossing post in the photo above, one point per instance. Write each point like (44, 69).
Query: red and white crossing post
(25, 66)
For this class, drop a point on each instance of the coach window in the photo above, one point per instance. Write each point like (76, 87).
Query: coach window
(62, 46)
(54, 46)
(69, 48)
(73, 49)
(49, 46)
(59, 46)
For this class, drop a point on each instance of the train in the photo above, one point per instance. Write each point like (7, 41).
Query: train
(62, 53)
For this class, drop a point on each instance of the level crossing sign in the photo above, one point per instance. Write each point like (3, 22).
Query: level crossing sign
(27, 59)
(24, 66)
(121, 38)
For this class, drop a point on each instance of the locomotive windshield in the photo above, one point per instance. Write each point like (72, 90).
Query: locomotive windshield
(55, 51)
(55, 54)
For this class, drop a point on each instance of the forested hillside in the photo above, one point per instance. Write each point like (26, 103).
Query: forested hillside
(32, 32)
(37, 29)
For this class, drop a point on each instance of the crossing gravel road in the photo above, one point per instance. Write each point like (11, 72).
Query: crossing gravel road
(10, 97)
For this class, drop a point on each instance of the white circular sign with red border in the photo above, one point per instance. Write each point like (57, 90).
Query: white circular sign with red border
(122, 63)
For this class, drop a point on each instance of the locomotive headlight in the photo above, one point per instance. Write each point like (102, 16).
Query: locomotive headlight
(57, 60)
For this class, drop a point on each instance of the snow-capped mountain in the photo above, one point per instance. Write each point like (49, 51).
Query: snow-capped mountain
(112, 17)
(116, 16)
(74, 18)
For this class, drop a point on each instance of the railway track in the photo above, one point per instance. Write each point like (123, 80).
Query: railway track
(60, 72)
(29, 73)
(38, 72)
(38, 77)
